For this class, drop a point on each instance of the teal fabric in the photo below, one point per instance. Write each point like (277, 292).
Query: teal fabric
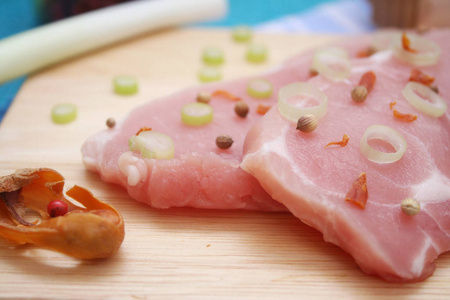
(15, 16)
(253, 12)
(20, 15)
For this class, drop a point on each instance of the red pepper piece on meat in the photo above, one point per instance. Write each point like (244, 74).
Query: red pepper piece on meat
(358, 193)
(342, 143)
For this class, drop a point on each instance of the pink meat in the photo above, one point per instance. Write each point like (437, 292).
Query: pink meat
(201, 175)
(312, 181)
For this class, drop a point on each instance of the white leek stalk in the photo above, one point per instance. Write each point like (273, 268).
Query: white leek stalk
(37, 48)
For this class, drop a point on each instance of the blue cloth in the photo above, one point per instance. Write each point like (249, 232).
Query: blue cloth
(15, 16)
(345, 16)
(324, 16)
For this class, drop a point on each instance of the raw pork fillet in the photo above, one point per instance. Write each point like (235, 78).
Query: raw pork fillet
(312, 181)
(201, 175)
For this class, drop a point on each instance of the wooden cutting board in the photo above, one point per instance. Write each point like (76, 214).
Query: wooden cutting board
(175, 253)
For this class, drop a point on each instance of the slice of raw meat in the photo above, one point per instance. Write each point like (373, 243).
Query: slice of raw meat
(201, 175)
(312, 181)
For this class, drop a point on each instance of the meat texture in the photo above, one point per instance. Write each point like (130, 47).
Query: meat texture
(200, 175)
(312, 181)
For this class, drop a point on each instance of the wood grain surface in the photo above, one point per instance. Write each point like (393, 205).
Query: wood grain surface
(176, 253)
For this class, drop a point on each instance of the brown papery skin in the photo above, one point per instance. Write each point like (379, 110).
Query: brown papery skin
(93, 231)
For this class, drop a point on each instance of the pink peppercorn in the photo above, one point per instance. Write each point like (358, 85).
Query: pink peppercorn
(57, 208)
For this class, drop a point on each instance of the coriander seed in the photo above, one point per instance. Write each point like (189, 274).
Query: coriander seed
(204, 97)
(359, 94)
(410, 206)
(110, 122)
(307, 123)
(241, 109)
(224, 141)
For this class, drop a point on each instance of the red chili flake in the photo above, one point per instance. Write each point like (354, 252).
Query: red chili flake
(368, 80)
(392, 104)
(342, 143)
(358, 193)
(57, 208)
(419, 76)
(404, 117)
(365, 52)
(406, 43)
(223, 93)
(262, 109)
(143, 129)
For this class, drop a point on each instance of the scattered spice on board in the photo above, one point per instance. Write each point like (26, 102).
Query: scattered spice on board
(111, 123)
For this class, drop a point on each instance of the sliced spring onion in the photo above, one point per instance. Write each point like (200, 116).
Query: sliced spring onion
(64, 113)
(256, 53)
(292, 98)
(333, 63)
(417, 93)
(209, 74)
(152, 144)
(213, 56)
(242, 34)
(196, 114)
(259, 88)
(426, 53)
(386, 134)
(125, 85)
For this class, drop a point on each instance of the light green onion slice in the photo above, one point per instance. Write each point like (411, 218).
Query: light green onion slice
(64, 113)
(424, 99)
(301, 98)
(242, 34)
(333, 63)
(213, 56)
(426, 53)
(209, 74)
(385, 134)
(196, 114)
(152, 144)
(125, 85)
(257, 53)
(259, 88)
